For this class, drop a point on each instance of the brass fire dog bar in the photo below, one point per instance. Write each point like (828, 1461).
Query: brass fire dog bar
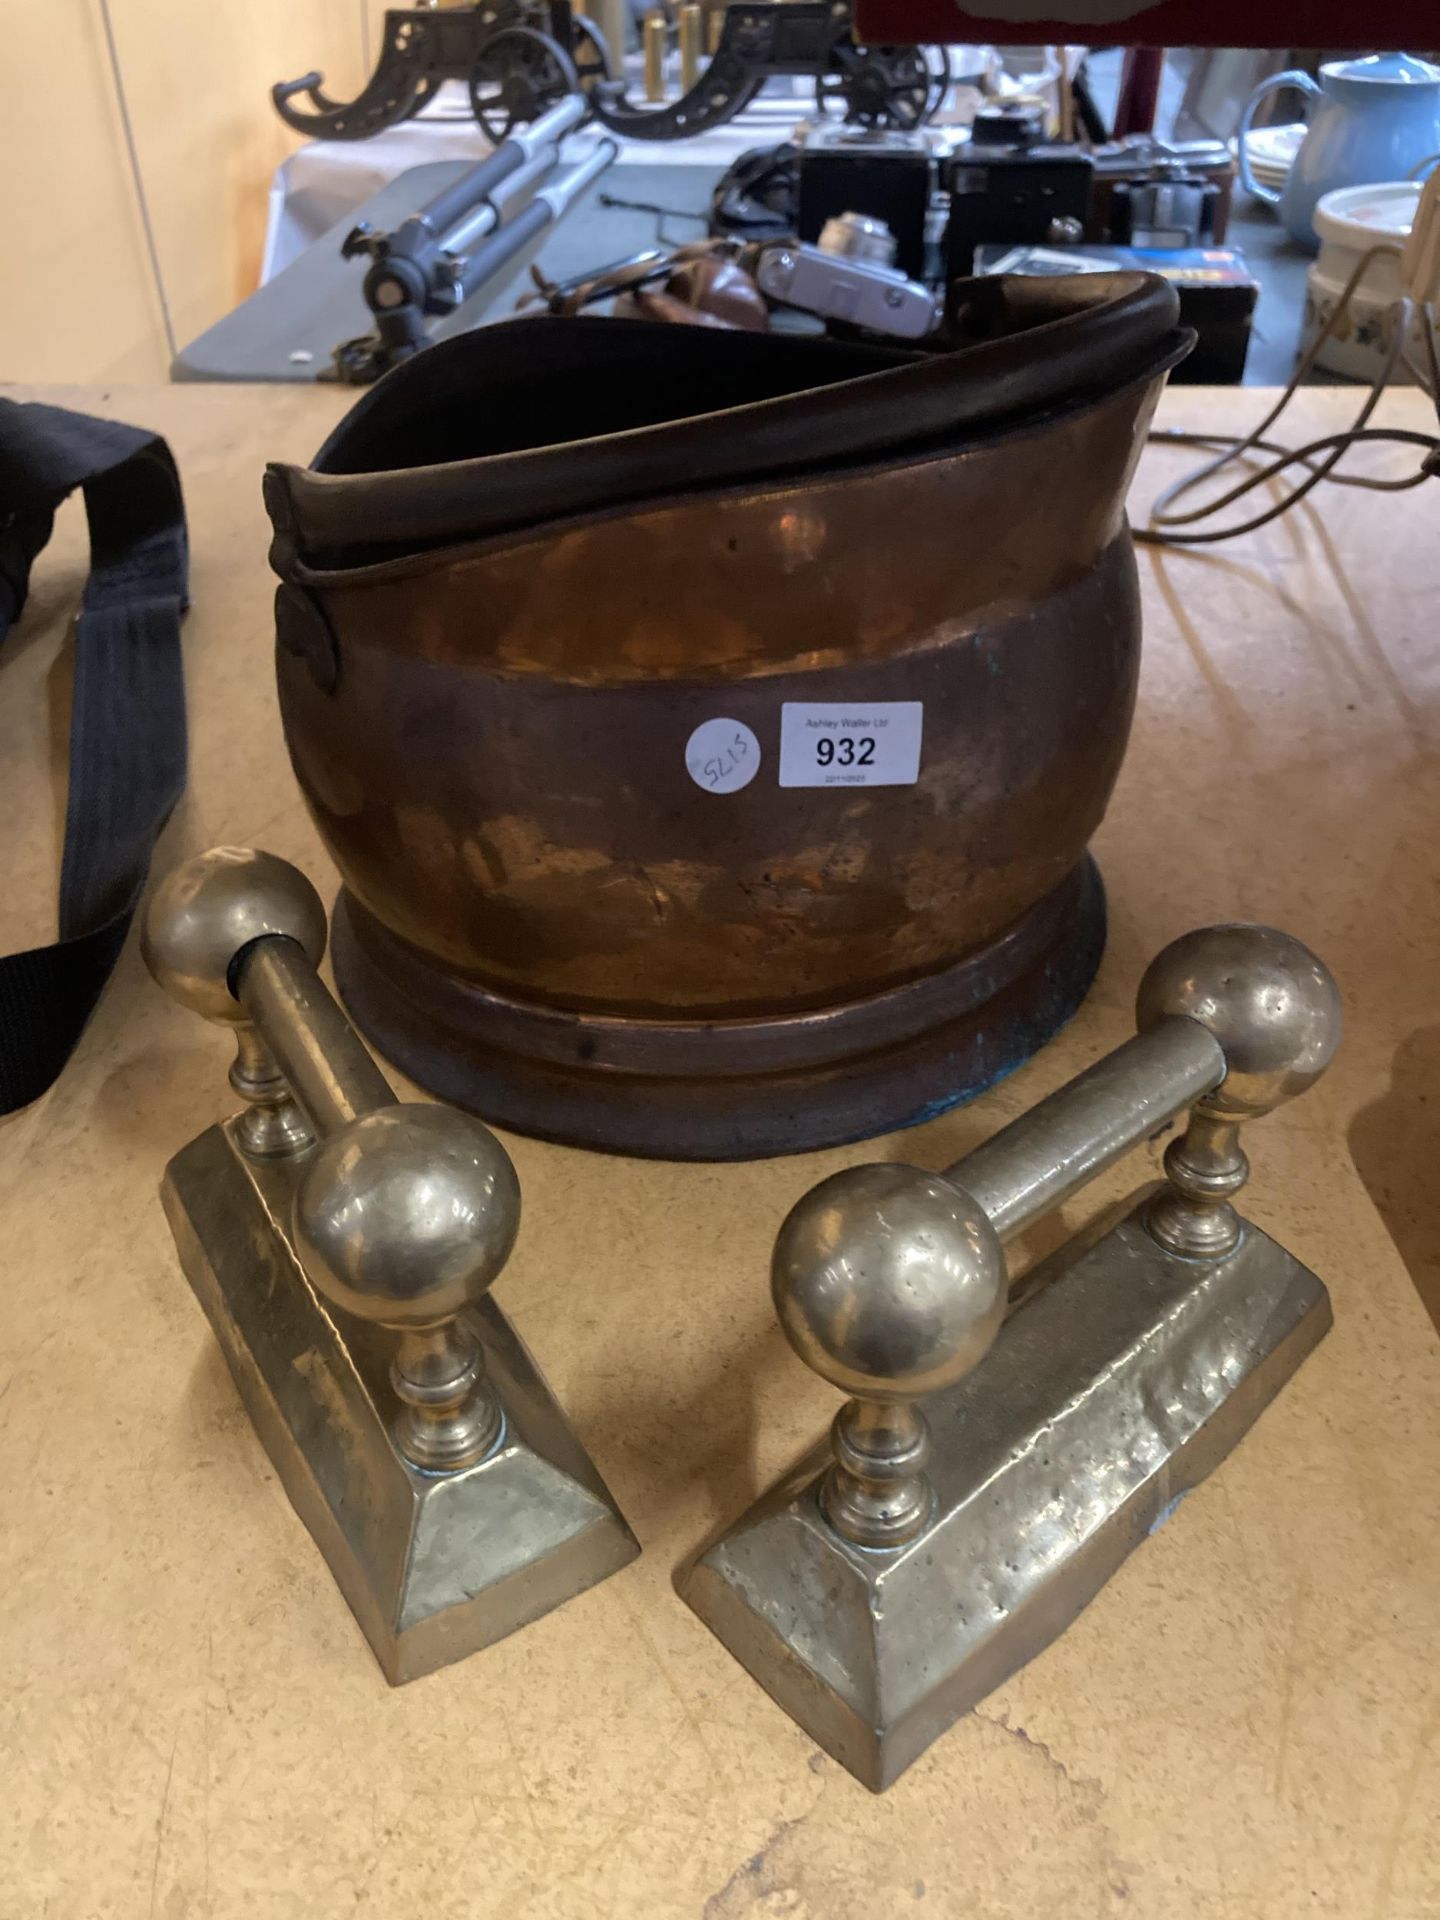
(342, 1244)
(1039, 1160)
(320, 1056)
(988, 1475)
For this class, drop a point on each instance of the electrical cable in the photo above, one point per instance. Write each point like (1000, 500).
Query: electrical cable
(1165, 519)
(1174, 436)
(662, 214)
(1432, 384)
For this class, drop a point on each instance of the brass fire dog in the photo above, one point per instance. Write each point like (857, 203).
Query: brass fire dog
(985, 1481)
(342, 1245)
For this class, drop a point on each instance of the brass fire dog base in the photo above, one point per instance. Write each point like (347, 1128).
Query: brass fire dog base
(434, 1566)
(984, 1482)
(1108, 1395)
(342, 1245)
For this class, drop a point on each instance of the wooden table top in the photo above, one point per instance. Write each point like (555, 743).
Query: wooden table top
(1246, 1723)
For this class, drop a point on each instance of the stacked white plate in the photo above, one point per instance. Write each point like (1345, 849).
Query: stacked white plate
(1271, 152)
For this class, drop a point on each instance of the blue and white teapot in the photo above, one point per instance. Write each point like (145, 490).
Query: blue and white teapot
(1373, 119)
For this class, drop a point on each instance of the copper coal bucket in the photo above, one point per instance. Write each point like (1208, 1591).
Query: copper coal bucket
(720, 785)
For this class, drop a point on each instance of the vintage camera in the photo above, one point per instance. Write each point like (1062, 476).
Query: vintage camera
(1174, 210)
(848, 277)
(883, 172)
(1149, 192)
(1010, 184)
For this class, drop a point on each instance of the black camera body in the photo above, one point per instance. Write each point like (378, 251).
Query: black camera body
(1010, 184)
(884, 172)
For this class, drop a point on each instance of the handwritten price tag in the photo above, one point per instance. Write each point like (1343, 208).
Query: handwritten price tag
(722, 756)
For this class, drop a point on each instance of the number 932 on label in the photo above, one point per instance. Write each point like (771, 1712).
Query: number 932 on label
(850, 744)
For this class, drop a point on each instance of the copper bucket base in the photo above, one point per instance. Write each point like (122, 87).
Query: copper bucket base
(727, 1089)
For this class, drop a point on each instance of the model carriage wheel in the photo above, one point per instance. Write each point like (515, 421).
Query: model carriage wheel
(878, 86)
(518, 74)
(942, 74)
(588, 51)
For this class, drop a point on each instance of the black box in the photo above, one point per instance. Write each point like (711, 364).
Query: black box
(1017, 195)
(886, 174)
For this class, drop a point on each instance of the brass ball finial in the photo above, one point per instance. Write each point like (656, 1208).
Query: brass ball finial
(204, 913)
(405, 1218)
(1272, 1005)
(890, 1283)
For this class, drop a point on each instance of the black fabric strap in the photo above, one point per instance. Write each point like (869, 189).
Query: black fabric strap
(127, 723)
